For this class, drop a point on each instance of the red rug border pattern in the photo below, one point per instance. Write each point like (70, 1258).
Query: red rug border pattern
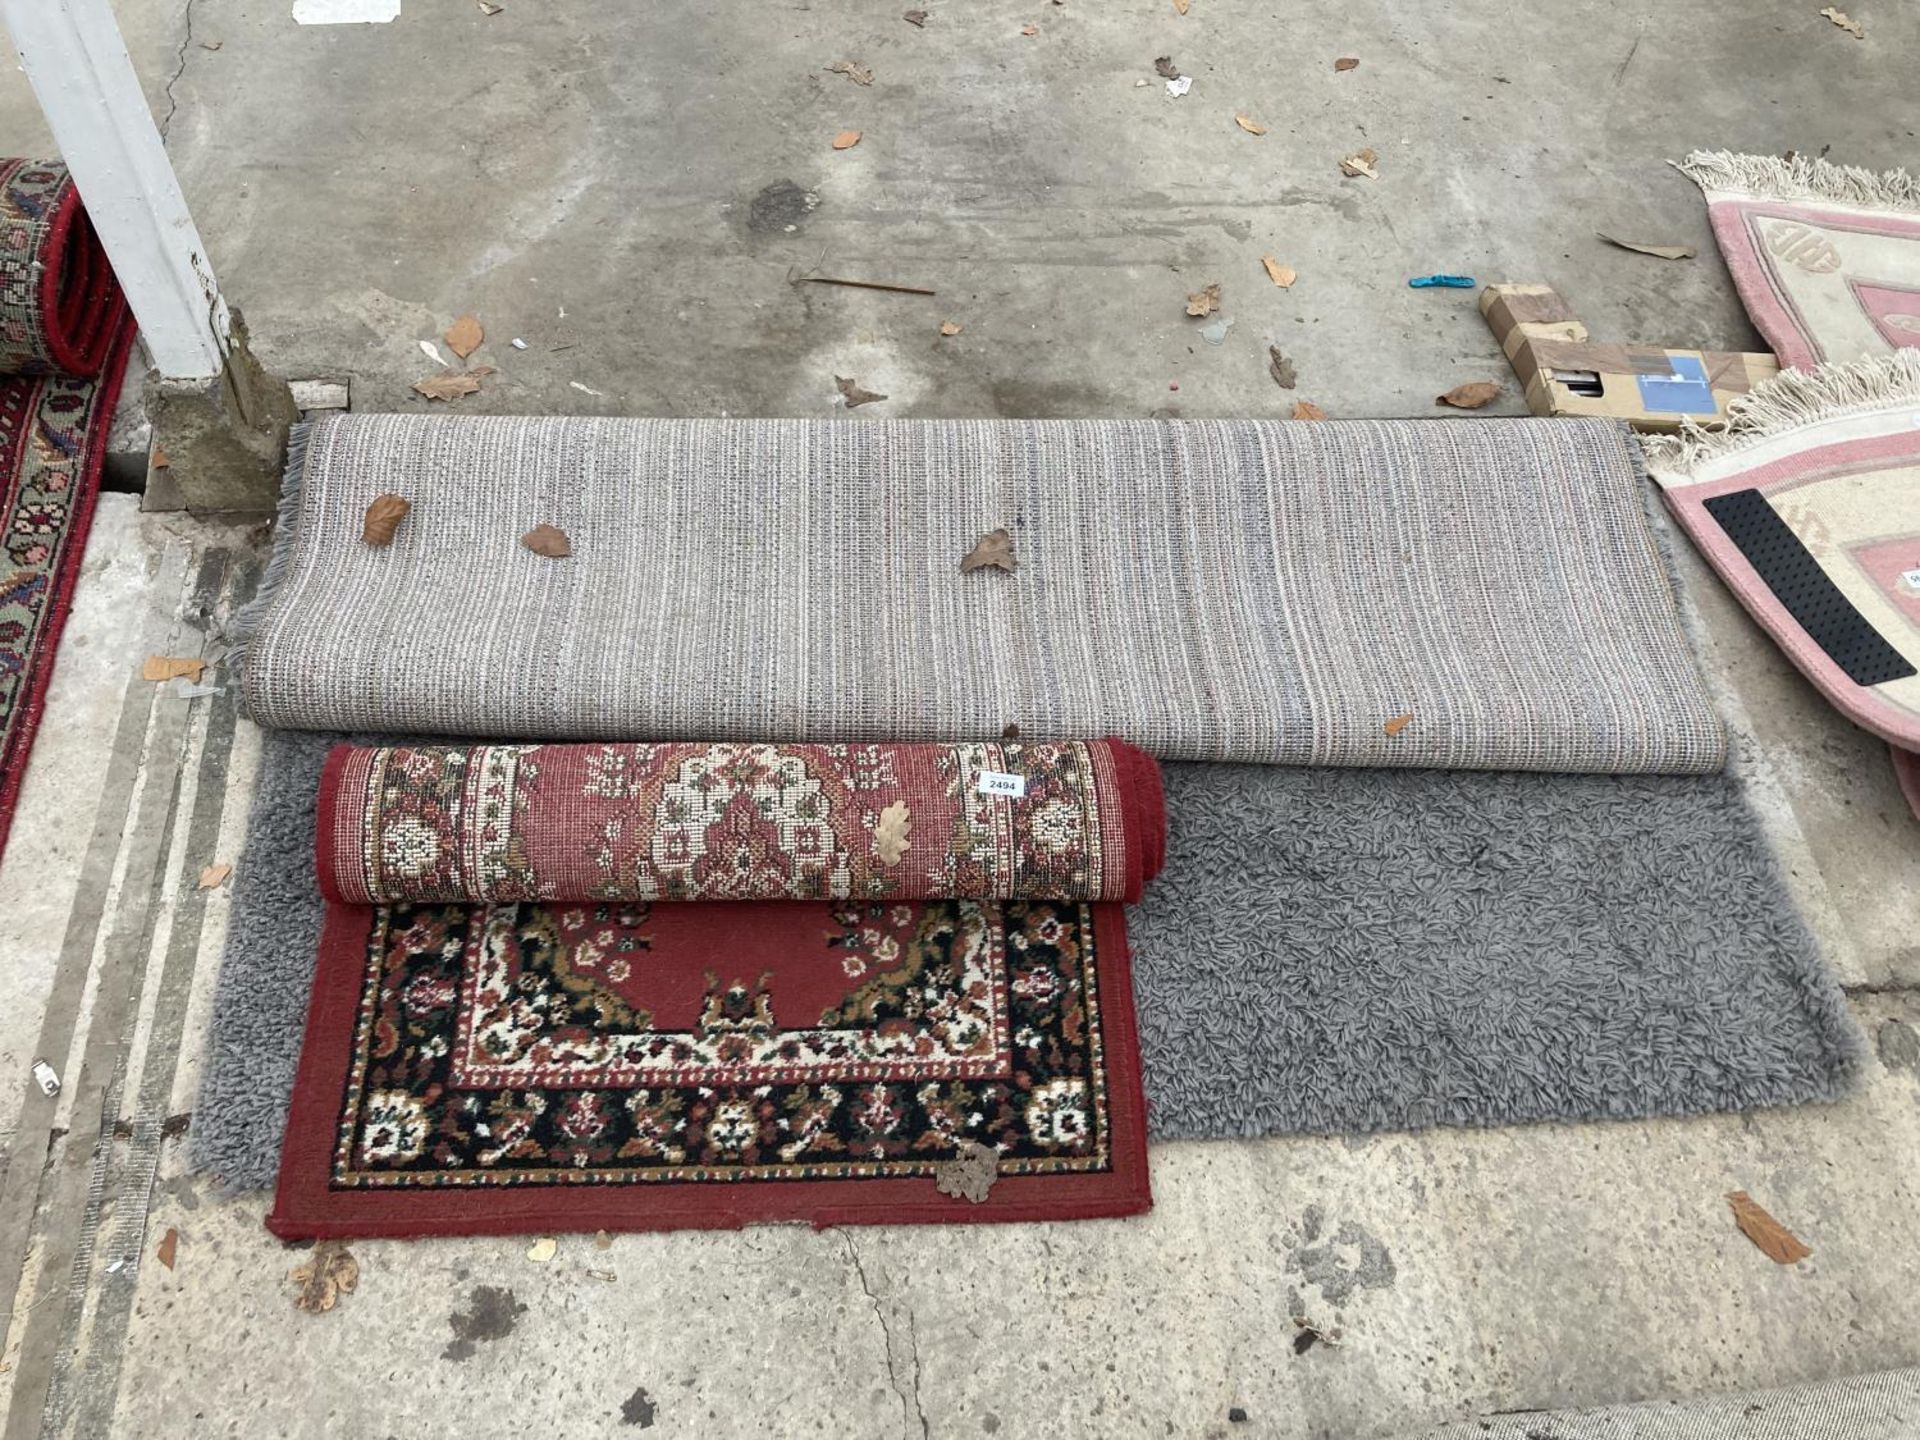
(17, 748)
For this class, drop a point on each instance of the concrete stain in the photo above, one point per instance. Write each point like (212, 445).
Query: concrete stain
(780, 207)
(1354, 1260)
(1047, 400)
(1312, 1222)
(639, 1409)
(491, 1315)
(1899, 1046)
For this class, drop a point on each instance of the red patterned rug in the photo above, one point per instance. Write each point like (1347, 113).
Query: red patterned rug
(620, 1062)
(587, 1067)
(64, 339)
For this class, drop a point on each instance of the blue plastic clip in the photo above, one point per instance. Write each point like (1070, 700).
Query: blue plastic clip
(1447, 282)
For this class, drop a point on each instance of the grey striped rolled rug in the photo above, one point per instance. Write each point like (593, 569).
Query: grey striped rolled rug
(1480, 594)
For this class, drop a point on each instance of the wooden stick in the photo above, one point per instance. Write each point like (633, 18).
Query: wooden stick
(864, 285)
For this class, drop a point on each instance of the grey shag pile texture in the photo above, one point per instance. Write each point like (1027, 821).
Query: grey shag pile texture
(1326, 951)
(1331, 951)
(260, 997)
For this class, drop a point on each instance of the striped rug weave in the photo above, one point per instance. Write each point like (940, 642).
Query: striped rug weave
(1470, 594)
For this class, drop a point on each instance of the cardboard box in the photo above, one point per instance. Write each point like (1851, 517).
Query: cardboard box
(1566, 373)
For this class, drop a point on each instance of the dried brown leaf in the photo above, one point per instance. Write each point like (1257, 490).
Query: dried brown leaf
(383, 519)
(1281, 368)
(950, 327)
(211, 44)
(1029, 30)
(1281, 275)
(463, 337)
(1204, 302)
(602, 1240)
(893, 832)
(971, 1174)
(1776, 1242)
(851, 392)
(169, 1247)
(548, 540)
(1164, 67)
(916, 18)
(1665, 252)
(995, 548)
(329, 1272)
(1307, 410)
(1470, 396)
(446, 387)
(846, 140)
(1345, 63)
(212, 877)
(1361, 162)
(1011, 732)
(1845, 22)
(1180, 7)
(160, 460)
(853, 70)
(173, 667)
(1247, 123)
(1397, 724)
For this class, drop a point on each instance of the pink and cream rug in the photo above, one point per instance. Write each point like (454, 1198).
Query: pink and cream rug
(1807, 502)
(1826, 257)
(1827, 261)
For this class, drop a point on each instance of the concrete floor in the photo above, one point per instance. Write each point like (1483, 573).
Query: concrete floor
(359, 186)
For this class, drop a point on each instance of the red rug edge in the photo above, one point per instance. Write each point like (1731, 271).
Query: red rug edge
(33, 700)
(304, 1208)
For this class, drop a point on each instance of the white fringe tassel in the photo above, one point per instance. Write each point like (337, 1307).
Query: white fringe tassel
(1791, 399)
(1804, 177)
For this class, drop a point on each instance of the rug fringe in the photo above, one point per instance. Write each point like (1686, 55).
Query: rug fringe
(1791, 399)
(248, 619)
(1801, 177)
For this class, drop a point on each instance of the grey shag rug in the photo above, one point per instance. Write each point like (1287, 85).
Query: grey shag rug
(1331, 951)
(1326, 951)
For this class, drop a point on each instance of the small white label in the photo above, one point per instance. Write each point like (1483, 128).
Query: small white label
(345, 12)
(998, 782)
(45, 1078)
(1911, 579)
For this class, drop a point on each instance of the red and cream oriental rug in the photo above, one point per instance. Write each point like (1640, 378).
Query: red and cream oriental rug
(65, 334)
(604, 1058)
(1080, 820)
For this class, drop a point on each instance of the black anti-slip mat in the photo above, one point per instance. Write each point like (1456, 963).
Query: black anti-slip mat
(1807, 591)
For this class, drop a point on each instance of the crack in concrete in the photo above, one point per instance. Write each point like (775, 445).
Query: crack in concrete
(179, 69)
(913, 1347)
(910, 1407)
